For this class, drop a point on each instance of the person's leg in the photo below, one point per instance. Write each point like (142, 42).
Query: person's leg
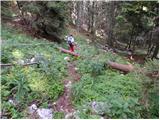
(72, 48)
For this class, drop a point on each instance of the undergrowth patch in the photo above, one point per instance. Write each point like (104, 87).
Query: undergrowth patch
(31, 83)
(121, 94)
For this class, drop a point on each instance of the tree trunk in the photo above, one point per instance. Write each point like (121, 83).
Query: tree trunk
(92, 18)
(150, 49)
(69, 52)
(121, 67)
(79, 11)
(8, 65)
(21, 13)
(156, 51)
(110, 17)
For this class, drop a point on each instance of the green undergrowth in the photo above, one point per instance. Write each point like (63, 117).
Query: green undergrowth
(132, 95)
(122, 94)
(40, 82)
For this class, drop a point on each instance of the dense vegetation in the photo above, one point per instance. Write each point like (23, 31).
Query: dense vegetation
(114, 93)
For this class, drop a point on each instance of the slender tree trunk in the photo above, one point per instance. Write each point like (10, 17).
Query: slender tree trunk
(110, 21)
(156, 51)
(21, 13)
(92, 18)
(79, 12)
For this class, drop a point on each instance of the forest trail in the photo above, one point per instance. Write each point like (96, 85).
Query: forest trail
(64, 103)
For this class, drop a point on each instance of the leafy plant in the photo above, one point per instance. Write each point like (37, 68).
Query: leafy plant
(59, 115)
(152, 65)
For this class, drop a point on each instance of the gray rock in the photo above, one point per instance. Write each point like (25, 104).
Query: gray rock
(45, 113)
(100, 107)
(33, 60)
(13, 102)
(32, 108)
(69, 84)
(69, 116)
(41, 113)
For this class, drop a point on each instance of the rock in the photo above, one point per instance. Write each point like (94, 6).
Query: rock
(33, 60)
(100, 107)
(32, 108)
(45, 113)
(69, 84)
(76, 68)
(69, 116)
(13, 102)
(41, 113)
(54, 103)
(67, 58)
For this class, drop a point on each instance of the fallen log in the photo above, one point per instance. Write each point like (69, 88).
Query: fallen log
(8, 65)
(69, 52)
(121, 67)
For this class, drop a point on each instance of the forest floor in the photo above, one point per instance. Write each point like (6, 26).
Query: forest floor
(72, 86)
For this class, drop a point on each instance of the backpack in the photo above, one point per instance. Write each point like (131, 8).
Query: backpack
(69, 42)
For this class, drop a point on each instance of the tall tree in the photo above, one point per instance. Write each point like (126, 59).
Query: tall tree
(47, 18)
(79, 14)
(110, 21)
(6, 12)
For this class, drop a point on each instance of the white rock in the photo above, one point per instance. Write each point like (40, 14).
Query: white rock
(69, 116)
(45, 113)
(102, 118)
(100, 107)
(54, 103)
(32, 108)
(69, 84)
(12, 102)
(67, 58)
(76, 68)
(32, 60)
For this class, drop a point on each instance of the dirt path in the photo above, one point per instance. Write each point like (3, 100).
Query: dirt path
(64, 103)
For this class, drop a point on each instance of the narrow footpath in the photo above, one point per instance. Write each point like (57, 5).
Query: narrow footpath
(64, 103)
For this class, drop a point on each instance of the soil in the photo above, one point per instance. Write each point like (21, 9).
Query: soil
(26, 29)
(64, 103)
(140, 59)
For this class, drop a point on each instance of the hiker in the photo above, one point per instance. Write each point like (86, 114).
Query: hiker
(70, 41)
